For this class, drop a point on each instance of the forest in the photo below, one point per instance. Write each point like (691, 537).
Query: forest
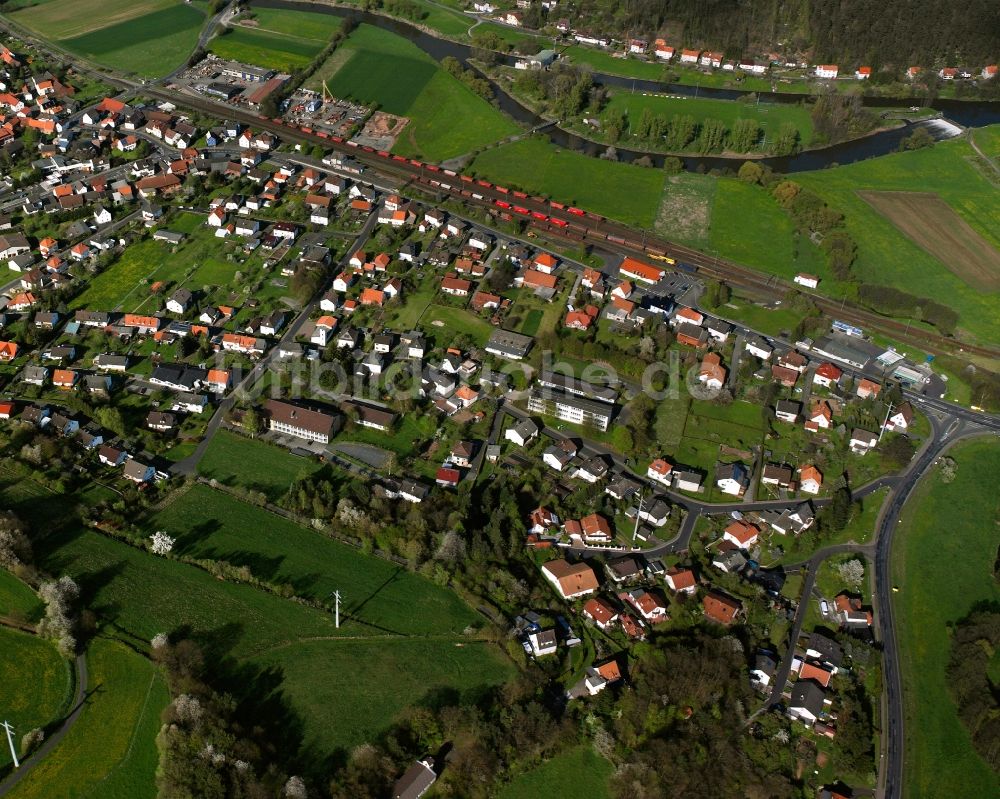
(893, 33)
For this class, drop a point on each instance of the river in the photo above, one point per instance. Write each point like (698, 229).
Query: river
(966, 114)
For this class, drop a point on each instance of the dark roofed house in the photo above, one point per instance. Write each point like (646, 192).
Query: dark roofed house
(371, 416)
(416, 781)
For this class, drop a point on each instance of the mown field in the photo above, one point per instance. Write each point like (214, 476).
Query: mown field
(287, 654)
(120, 33)
(620, 191)
(945, 550)
(265, 48)
(378, 596)
(578, 773)
(888, 256)
(446, 118)
(110, 752)
(37, 685)
(234, 460)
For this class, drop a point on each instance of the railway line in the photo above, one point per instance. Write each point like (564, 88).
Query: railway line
(577, 225)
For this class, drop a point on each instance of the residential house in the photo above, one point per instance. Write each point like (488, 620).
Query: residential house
(681, 581)
(720, 608)
(651, 606)
(827, 375)
(807, 280)
(901, 420)
(742, 534)
(787, 411)
(712, 373)
(661, 471)
(732, 478)
(810, 479)
(820, 417)
(862, 441)
(138, 472)
(829, 71)
(522, 433)
(571, 580)
(808, 702)
(757, 347)
(161, 422)
(850, 611)
(543, 642)
(867, 389)
(600, 612)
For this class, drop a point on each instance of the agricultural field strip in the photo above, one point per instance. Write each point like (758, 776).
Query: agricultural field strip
(933, 224)
(68, 20)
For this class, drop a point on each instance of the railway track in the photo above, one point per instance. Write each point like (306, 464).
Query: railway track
(575, 224)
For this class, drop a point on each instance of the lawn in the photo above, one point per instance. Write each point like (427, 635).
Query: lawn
(110, 752)
(378, 596)
(265, 49)
(770, 321)
(407, 435)
(37, 683)
(234, 460)
(446, 118)
(943, 562)
(404, 316)
(444, 322)
(604, 61)
(620, 191)
(578, 773)
(887, 256)
(144, 595)
(859, 530)
(172, 25)
(771, 116)
(125, 284)
(17, 600)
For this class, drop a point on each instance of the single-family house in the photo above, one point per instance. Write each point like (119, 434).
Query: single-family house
(571, 580)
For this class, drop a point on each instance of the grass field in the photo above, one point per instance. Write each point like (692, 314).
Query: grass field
(97, 30)
(749, 227)
(620, 191)
(307, 659)
(931, 223)
(446, 118)
(578, 773)
(234, 460)
(110, 752)
(378, 596)
(265, 49)
(944, 554)
(37, 681)
(887, 256)
(17, 599)
(300, 24)
(770, 116)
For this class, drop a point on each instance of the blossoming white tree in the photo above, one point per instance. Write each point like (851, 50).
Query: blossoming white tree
(161, 543)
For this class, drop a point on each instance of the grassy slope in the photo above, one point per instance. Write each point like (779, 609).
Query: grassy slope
(145, 595)
(37, 683)
(64, 19)
(383, 597)
(16, 599)
(446, 118)
(111, 750)
(234, 460)
(578, 773)
(887, 256)
(945, 549)
(301, 24)
(622, 191)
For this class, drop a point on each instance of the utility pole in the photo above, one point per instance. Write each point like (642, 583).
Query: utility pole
(885, 421)
(635, 531)
(10, 741)
(336, 599)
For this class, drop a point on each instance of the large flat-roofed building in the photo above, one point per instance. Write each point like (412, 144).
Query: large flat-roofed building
(512, 346)
(580, 388)
(293, 420)
(245, 72)
(569, 408)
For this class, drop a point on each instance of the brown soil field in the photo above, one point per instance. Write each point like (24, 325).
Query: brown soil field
(931, 223)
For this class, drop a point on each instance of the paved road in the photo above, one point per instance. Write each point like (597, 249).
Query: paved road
(79, 701)
(189, 465)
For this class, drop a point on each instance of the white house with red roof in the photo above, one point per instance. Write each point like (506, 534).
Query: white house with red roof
(742, 534)
(681, 581)
(826, 375)
(661, 471)
(829, 71)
